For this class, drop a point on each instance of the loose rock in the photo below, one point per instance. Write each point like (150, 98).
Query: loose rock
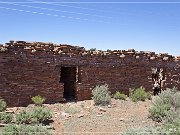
(102, 109)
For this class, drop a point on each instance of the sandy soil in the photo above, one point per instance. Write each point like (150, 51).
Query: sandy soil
(84, 118)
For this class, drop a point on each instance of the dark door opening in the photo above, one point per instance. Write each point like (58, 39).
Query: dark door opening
(68, 77)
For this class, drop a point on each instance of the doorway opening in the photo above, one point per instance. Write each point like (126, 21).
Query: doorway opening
(68, 77)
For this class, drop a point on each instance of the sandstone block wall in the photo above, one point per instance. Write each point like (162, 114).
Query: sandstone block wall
(28, 69)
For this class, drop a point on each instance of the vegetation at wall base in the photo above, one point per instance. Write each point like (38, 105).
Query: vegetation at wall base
(119, 95)
(101, 95)
(2, 105)
(38, 100)
(138, 94)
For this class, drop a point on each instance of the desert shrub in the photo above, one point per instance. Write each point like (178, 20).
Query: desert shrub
(167, 96)
(40, 114)
(72, 110)
(101, 95)
(170, 131)
(173, 125)
(35, 116)
(142, 131)
(172, 116)
(2, 105)
(171, 128)
(25, 130)
(119, 95)
(38, 100)
(153, 131)
(138, 94)
(172, 122)
(165, 106)
(176, 100)
(158, 112)
(23, 117)
(6, 117)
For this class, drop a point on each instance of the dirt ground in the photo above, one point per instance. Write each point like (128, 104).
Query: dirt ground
(83, 117)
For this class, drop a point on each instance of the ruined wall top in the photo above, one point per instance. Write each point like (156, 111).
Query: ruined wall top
(69, 50)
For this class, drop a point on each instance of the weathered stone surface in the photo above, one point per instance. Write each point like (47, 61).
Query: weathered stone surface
(29, 69)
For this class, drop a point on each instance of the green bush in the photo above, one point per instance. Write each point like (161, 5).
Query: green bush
(119, 95)
(25, 130)
(40, 114)
(38, 100)
(172, 116)
(172, 122)
(173, 125)
(166, 106)
(6, 118)
(153, 131)
(101, 95)
(72, 110)
(2, 105)
(171, 128)
(23, 117)
(176, 100)
(143, 131)
(138, 94)
(35, 116)
(167, 96)
(158, 112)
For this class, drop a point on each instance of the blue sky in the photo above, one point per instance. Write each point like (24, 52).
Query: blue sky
(150, 25)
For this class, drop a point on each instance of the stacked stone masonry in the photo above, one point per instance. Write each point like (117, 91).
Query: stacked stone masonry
(28, 69)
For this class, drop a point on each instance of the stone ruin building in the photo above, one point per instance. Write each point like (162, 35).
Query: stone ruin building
(58, 72)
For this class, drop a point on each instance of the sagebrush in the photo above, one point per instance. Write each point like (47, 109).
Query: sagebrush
(158, 112)
(40, 114)
(166, 109)
(2, 105)
(38, 100)
(101, 95)
(25, 130)
(35, 116)
(138, 94)
(23, 117)
(119, 95)
(164, 104)
(6, 117)
(143, 131)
